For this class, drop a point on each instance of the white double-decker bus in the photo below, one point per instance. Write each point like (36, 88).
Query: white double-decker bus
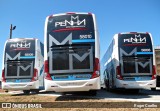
(129, 62)
(72, 53)
(22, 67)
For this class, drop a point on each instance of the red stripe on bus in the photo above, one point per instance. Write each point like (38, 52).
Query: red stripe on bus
(134, 45)
(69, 29)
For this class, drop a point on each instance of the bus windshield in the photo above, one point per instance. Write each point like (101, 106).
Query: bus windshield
(71, 43)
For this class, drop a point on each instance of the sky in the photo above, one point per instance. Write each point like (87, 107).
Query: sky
(113, 16)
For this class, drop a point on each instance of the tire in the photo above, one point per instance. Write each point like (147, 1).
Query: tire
(92, 93)
(63, 93)
(107, 86)
(102, 88)
(110, 89)
(36, 91)
(26, 92)
(6, 91)
(136, 91)
(132, 91)
(153, 89)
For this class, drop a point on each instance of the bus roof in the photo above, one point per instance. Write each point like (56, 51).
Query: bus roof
(134, 33)
(70, 13)
(21, 39)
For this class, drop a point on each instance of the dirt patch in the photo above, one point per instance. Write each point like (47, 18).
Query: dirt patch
(25, 98)
(68, 99)
(83, 109)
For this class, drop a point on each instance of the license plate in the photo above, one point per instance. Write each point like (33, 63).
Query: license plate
(138, 78)
(71, 84)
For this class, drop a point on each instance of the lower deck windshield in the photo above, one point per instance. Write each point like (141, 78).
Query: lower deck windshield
(72, 58)
(137, 65)
(19, 68)
(135, 53)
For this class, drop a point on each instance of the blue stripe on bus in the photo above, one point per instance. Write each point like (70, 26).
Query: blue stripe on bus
(72, 77)
(138, 79)
(18, 80)
(27, 57)
(144, 52)
(83, 40)
(41, 69)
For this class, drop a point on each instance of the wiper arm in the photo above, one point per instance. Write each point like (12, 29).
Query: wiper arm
(70, 48)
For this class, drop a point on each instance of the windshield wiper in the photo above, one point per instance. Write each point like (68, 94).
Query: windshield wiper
(71, 48)
(17, 62)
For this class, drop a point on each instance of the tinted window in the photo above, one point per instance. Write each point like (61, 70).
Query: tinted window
(129, 65)
(78, 57)
(143, 64)
(80, 25)
(19, 68)
(70, 39)
(142, 42)
(24, 47)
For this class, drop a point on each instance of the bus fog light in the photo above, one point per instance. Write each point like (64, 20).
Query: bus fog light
(118, 76)
(97, 72)
(89, 85)
(54, 86)
(125, 84)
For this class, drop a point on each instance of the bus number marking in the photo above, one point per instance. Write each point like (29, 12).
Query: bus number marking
(28, 54)
(145, 50)
(89, 36)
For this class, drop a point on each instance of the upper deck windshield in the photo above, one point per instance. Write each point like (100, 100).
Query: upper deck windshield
(22, 47)
(128, 42)
(80, 25)
(135, 53)
(71, 43)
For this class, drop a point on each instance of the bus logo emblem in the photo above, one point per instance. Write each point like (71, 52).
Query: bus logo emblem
(74, 22)
(136, 39)
(23, 44)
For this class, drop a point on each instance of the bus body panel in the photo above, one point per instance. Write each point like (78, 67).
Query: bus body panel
(40, 63)
(135, 85)
(71, 86)
(20, 86)
(25, 82)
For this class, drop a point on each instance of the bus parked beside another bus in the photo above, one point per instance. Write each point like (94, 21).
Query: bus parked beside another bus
(72, 58)
(129, 62)
(22, 67)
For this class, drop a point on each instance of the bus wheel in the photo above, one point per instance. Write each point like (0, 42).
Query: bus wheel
(107, 86)
(6, 91)
(135, 91)
(64, 93)
(153, 89)
(26, 91)
(36, 91)
(93, 93)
